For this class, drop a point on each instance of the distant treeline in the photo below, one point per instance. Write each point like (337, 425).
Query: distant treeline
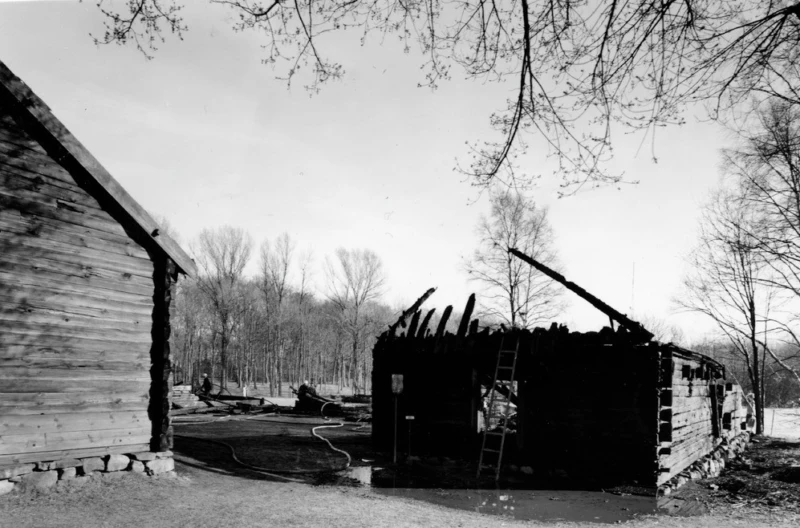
(270, 346)
(273, 328)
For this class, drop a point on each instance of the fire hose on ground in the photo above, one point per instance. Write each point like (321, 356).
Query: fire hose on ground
(275, 472)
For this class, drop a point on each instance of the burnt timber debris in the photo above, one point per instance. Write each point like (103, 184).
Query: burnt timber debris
(86, 282)
(605, 407)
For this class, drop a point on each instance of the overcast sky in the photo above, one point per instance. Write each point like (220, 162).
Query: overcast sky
(205, 135)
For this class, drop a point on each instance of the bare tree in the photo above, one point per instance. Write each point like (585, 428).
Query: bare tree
(662, 330)
(302, 367)
(515, 292)
(726, 283)
(189, 322)
(577, 67)
(274, 267)
(221, 255)
(767, 167)
(272, 328)
(355, 279)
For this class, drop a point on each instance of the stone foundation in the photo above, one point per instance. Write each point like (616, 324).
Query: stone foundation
(44, 475)
(710, 465)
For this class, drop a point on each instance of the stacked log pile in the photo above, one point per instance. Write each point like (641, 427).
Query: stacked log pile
(184, 398)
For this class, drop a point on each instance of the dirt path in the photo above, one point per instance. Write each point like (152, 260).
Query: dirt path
(209, 497)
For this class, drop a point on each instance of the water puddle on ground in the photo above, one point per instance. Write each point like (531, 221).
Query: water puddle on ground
(520, 504)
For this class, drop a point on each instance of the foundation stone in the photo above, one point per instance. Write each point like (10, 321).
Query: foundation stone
(93, 464)
(6, 487)
(67, 473)
(117, 462)
(162, 465)
(7, 472)
(39, 480)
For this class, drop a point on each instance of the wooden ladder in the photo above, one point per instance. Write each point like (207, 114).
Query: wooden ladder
(489, 448)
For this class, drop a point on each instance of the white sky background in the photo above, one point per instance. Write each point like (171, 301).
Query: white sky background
(205, 135)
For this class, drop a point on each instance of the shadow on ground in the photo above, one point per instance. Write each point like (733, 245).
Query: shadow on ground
(768, 475)
(285, 445)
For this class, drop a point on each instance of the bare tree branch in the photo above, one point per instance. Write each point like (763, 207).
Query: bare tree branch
(581, 69)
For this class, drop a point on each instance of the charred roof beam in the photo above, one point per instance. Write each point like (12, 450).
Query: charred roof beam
(632, 326)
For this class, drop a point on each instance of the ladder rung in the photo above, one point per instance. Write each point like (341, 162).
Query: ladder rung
(494, 433)
(508, 351)
(486, 449)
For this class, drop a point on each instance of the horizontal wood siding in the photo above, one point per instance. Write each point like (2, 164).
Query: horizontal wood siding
(688, 428)
(76, 305)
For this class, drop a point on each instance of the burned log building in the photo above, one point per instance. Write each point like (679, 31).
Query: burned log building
(612, 406)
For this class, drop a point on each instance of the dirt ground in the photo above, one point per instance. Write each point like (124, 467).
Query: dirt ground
(766, 478)
(208, 497)
(210, 490)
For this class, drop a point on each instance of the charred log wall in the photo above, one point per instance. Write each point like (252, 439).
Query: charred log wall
(588, 404)
(590, 411)
(440, 391)
(597, 406)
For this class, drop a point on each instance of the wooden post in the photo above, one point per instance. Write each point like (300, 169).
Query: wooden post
(401, 321)
(164, 277)
(443, 321)
(412, 326)
(424, 325)
(465, 319)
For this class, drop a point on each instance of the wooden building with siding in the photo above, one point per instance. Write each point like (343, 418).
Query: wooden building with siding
(85, 285)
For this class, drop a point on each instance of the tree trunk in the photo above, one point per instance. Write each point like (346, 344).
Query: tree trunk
(757, 372)
(223, 357)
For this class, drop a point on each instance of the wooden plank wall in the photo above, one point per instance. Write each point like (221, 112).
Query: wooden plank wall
(76, 308)
(699, 410)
